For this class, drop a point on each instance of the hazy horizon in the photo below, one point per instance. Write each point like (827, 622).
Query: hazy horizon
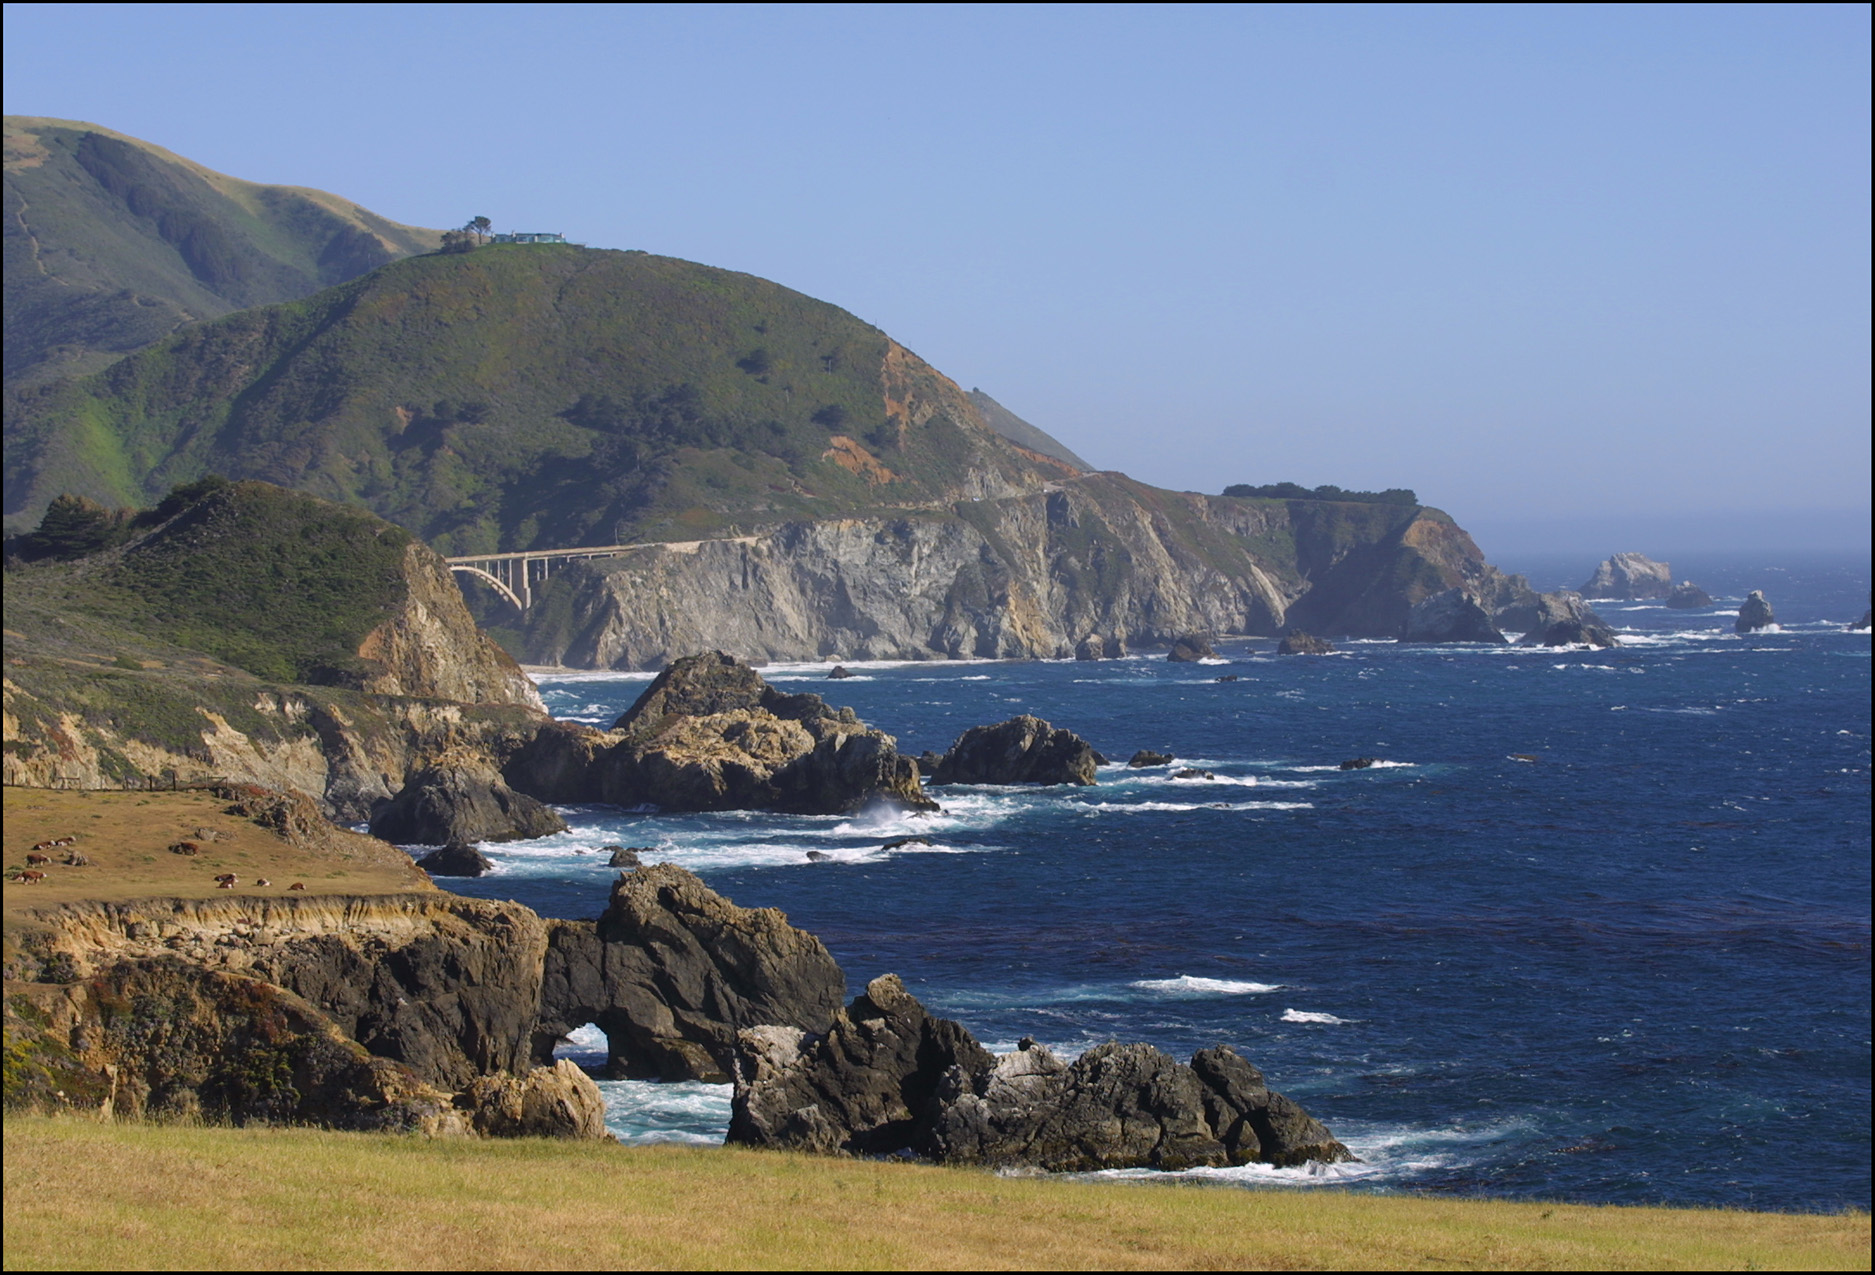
(1592, 274)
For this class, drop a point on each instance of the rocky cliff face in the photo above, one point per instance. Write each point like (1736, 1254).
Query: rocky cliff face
(431, 647)
(1026, 576)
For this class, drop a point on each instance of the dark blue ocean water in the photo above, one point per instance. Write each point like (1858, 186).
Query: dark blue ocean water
(1635, 969)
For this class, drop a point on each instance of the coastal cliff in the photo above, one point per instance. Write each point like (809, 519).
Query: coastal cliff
(1028, 576)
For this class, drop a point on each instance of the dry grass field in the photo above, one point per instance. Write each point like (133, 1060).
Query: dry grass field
(126, 837)
(84, 1195)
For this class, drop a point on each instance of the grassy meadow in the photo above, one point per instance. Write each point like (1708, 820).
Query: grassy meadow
(80, 1194)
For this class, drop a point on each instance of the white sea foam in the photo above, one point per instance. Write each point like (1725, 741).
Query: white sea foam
(648, 1111)
(1141, 807)
(543, 676)
(1192, 985)
(1312, 1016)
(1378, 765)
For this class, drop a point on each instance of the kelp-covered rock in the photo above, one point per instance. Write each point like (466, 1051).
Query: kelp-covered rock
(710, 734)
(887, 1077)
(1022, 750)
(672, 970)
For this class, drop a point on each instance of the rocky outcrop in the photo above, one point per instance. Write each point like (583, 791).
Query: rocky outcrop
(889, 1077)
(1190, 649)
(463, 803)
(431, 647)
(1296, 642)
(1147, 757)
(1022, 750)
(1572, 633)
(1452, 616)
(1862, 623)
(460, 803)
(1629, 577)
(672, 971)
(1755, 614)
(457, 859)
(710, 734)
(166, 1037)
(1687, 596)
(1526, 611)
(1096, 647)
(560, 1101)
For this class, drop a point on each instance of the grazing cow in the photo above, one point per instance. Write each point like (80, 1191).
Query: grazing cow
(224, 885)
(39, 858)
(297, 885)
(225, 878)
(45, 845)
(262, 881)
(185, 847)
(28, 878)
(62, 841)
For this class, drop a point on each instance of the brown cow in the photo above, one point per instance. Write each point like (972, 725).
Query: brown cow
(224, 885)
(225, 878)
(262, 881)
(185, 847)
(62, 841)
(297, 885)
(28, 878)
(38, 859)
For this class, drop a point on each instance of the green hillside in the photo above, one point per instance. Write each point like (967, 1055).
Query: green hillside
(112, 243)
(526, 396)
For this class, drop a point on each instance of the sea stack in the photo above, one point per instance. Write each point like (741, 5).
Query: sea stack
(1629, 576)
(1755, 614)
(1688, 597)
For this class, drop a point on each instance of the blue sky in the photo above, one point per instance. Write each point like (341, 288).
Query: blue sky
(1566, 271)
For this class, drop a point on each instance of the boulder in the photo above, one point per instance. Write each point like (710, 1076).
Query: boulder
(1531, 612)
(1189, 650)
(627, 856)
(1022, 750)
(710, 734)
(902, 842)
(1755, 614)
(1688, 596)
(1572, 633)
(1630, 577)
(1096, 647)
(819, 856)
(1862, 623)
(887, 1077)
(1452, 616)
(672, 971)
(839, 671)
(448, 803)
(1146, 757)
(457, 859)
(1192, 772)
(560, 1101)
(1296, 642)
(1358, 763)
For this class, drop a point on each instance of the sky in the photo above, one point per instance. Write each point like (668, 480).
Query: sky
(1571, 273)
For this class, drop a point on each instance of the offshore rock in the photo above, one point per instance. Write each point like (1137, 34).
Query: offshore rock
(710, 734)
(672, 971)
(1296, 642)
(1146, 757)
(1536, 612)
(1688, 596)
(888, 1077)
(1190, 649)
(464, 802)
(560, 1101)
(1755, 614)
(1862, 623)
(457, 859)
(1572, 633)
(1022, 750)
(1452, 616)
(1629, 577)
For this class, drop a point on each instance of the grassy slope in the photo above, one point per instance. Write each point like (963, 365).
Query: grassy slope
(112, 242)
(446, 392)
(90, 1196)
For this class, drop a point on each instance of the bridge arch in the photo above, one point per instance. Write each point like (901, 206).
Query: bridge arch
(493, 581)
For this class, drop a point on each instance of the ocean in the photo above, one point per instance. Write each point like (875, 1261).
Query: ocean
(1594, 928)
